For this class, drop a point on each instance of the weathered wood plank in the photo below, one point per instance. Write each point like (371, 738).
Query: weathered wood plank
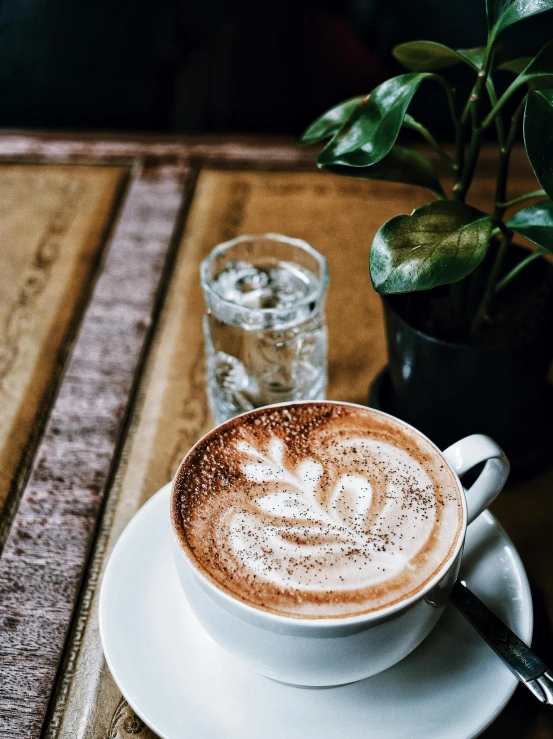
(46, 551)
(247, 149)
(243, 150)
(53, 220)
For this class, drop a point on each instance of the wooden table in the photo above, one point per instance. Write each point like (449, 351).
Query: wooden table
(102, 380)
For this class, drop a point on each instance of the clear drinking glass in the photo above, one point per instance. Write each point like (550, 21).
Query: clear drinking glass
(265, 331)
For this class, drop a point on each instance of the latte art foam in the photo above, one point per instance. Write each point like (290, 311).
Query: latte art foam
(317, 510)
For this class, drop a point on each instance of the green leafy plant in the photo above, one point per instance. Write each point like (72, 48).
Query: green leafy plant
(446, 241)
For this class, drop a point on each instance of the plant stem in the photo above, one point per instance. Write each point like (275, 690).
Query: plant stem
(490, 87)
(504, 157)
(502, 172)
(522, 198)
(500, 128)
(514, 272)
(461, 186)
(492, 280)
(438, 148)
(459, 144)
(465, 115)
(513, 87)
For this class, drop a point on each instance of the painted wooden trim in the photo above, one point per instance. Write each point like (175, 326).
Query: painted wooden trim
(115, 149)
(251, 151)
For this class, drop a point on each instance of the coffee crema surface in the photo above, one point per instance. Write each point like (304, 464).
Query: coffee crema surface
(317, 510)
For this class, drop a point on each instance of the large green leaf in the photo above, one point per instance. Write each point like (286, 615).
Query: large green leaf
(429, 56)
(330, 122)
(535, 223)
(399, 165)
(538, 136)
(504, 13)
(374, 126)
(438, 244)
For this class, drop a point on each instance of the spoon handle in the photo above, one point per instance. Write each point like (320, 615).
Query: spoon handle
(530, 669)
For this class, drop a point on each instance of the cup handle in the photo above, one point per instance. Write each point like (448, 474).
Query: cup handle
(467, 453)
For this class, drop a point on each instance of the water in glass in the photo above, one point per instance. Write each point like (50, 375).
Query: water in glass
(265, 334)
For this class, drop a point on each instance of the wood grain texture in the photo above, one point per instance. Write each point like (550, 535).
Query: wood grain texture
(52, 226)
(44, 558)
(58, 512)
(253, 151)
(168, 149)
(339, 217)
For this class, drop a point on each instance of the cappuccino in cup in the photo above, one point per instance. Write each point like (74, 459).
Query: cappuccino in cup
(319, 541)
(317, 510)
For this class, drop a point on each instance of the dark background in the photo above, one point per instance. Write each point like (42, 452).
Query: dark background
(220, 65)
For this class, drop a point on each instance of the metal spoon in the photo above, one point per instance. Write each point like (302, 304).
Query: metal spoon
(525, 664)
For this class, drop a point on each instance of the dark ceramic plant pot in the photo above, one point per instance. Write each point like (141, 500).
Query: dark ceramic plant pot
(449, 390)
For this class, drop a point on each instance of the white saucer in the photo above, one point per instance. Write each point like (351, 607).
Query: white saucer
(184, 686)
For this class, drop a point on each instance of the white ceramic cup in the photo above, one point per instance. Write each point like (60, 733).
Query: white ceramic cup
(335, 651)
